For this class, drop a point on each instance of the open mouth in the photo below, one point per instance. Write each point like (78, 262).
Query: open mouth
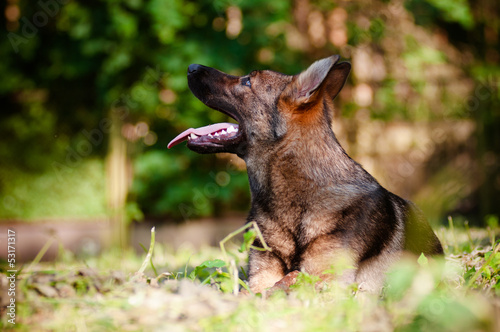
(206, 83)
(218, 135)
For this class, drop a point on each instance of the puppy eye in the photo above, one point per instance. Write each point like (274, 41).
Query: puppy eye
(246, 81)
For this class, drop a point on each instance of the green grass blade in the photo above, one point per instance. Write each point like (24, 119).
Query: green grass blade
(150, 253)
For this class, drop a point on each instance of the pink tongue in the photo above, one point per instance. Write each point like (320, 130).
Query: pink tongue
(200, 132)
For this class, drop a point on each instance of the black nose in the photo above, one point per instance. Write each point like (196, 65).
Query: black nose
(193, 68)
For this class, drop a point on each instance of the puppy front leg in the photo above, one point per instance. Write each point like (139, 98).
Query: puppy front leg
(265, 270)
(327, 258)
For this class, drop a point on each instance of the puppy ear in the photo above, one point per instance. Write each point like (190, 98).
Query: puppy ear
(337, 78)
(309, 81)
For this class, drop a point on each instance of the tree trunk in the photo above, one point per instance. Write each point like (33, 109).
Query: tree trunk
(116, 171)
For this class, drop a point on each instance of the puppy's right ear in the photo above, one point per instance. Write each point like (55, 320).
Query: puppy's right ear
(337, 78)
(311, 80)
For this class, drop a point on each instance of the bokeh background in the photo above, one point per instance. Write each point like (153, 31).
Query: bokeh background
(92, 92)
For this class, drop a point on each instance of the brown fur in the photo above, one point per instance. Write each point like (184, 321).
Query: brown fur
(314, 205)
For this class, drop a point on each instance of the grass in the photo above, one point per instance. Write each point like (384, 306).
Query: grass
(194, 290)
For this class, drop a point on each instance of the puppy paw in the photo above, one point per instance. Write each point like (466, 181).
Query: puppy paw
(285, 283)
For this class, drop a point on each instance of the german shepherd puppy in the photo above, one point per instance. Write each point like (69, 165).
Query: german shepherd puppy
(312, 202)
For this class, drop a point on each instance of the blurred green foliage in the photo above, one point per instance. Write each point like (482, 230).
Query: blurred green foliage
(33, 196)
(70, 67)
